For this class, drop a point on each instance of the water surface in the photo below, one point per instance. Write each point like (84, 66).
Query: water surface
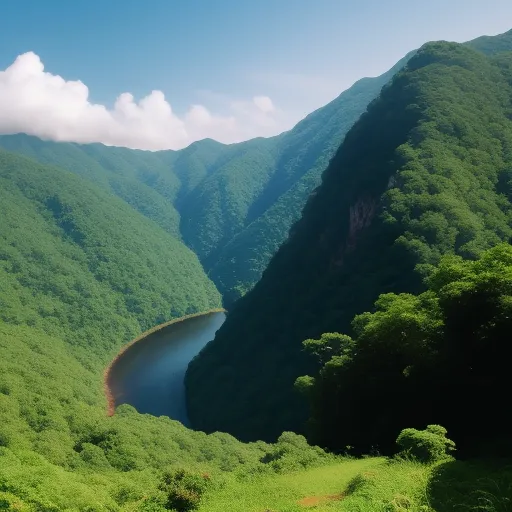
(150, 374)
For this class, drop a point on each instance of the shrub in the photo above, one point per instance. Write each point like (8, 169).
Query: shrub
(183, 489)
(428, 446)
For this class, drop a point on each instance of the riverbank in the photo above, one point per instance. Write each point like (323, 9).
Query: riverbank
(106, 374)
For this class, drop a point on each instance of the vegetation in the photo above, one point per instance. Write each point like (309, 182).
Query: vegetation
(428, 446)
(233, 205)
(82, 273)
(413, 215)
(425, 172)
(140, 178)
(371, 485)
(301, 157)
(443, 353)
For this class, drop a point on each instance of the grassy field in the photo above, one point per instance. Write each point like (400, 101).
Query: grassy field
(372, 485)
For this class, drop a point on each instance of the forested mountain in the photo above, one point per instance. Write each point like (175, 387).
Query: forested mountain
(67, 245)
(232, 204)
(300, 158)
(140, 178)
(82, 273)
(424, 172)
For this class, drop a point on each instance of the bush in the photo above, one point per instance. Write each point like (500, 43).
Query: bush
(292, 452)
(183, 489)
(428, 446)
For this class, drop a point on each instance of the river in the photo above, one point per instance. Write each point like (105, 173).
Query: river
(150, 374)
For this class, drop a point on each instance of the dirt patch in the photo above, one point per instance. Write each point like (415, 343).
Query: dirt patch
(313, 501)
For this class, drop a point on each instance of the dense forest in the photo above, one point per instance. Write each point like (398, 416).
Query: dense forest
(424, 172)
(432, 358)
(81, 273)
(231, 204)
(382, 318)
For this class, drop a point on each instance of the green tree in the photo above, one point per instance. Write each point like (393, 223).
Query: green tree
(440, 356)
(428, 446)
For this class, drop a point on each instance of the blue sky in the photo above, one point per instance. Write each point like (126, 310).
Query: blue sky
(222, 54)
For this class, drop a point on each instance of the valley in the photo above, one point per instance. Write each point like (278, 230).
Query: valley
(364, 259)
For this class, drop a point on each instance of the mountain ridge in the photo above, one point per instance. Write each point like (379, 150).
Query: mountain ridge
(324, 274)
(169, 186)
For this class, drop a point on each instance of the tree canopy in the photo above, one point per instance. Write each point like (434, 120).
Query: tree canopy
(436, 357)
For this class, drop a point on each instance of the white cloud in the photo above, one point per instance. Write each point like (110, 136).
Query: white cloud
(38, 103)
(264, 103)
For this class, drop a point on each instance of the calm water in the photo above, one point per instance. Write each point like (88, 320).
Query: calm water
(149, 375)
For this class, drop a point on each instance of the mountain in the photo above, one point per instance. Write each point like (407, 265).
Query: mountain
(140, 178)
(82, 273)
(66, 242)
(424, 172)
(231, 204)
(301, 156)
(491, 45)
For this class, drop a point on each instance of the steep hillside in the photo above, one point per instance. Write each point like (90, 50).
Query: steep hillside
(303, 154)
(216, 209)
(65, 241)
(232, 204)
(423, 173)
(140, 178)
(81, 273)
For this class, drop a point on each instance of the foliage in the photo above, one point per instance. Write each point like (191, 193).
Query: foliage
(428, 446)
(291, 452)
(437, 356)
(141, 178)
(233, 205)
(476, 485)
(300, 158)
(183, 490)
(81, 273)
(423, 173)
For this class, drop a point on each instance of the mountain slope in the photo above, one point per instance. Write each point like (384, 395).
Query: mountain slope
(63, 239)
(303, 154)
(217, 208)
(424, 172)
(491, 45)
(233, 204)
(140, 178)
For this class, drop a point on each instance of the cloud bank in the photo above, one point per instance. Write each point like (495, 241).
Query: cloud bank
(38, 103)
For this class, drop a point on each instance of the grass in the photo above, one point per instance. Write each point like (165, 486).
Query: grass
(372, 485)
(319, 489)
(479, 486)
